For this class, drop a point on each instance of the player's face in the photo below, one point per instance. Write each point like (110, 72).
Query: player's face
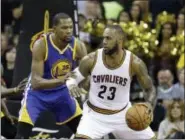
(64, 30)
(110, 43)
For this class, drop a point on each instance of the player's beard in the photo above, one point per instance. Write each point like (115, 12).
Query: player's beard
(111, 51)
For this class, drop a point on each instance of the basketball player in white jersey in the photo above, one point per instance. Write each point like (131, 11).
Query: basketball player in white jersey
(111, 69)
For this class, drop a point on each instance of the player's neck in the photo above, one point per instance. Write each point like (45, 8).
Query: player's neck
(117, 55)
(115, 59)
(58, 42)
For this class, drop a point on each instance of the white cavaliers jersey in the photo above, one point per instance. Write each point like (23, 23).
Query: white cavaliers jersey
(110, 88)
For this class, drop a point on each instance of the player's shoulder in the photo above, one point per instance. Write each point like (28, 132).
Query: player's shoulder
(89, 59)
(39, 47)
(136, 60)
(136, 64)
(90, 56)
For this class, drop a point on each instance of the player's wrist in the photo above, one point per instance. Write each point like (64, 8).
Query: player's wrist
(70, 83)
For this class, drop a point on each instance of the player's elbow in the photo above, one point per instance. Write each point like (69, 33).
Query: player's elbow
(35, 84)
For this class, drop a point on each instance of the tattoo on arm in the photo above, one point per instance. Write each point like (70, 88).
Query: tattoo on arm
(86, 64)
(145, 81)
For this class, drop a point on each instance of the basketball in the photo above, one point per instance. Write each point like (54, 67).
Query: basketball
(137, 117)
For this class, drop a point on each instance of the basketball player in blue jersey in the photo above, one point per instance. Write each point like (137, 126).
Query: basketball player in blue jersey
(54, 55)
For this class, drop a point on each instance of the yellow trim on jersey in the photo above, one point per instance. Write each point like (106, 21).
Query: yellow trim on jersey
(74, 50)
(2, 114)
(82, 136)
(77, 113)
(46, 21)
(104, 111)
(46, 46)
(24, 116)
(60, 51)
(36, 36)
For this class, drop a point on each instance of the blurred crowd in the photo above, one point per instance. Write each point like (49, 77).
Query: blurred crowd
(154, 31)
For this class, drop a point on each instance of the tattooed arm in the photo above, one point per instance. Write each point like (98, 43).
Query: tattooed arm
(140, 70)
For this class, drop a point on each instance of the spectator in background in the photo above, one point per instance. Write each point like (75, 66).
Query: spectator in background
(171, 6)
(180, 22)
(164, 58)
(123, 17)
(144, 4)
(17, 14)
(178, 88)
(173, 126)
(164, 97)
(165, 84)
(10, 56)
(93, 10)
(4, 43)
(136, 13)
(15, 40)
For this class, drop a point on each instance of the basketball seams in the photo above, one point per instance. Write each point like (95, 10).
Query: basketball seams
(139, 116)
(140, 122)
(133, 118)
(137, 122)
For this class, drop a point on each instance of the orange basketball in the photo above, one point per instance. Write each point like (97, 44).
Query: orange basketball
(137, 117)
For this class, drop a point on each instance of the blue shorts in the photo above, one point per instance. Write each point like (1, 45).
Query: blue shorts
(59, 102)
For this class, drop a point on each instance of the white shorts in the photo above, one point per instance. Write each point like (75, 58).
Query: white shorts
(95, 125)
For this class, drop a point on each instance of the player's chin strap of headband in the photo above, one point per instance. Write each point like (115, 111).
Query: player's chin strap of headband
(75, 79)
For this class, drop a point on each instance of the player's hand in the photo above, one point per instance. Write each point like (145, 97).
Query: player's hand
(75, 91)
(149, 110)
(22, 85)
(66, 77)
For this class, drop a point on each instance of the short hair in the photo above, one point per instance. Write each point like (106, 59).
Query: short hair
(118, 29)
(59, 16)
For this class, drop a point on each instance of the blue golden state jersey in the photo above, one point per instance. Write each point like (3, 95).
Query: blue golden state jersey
(58, 62)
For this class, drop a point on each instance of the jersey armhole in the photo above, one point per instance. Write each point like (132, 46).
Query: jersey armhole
(74, 49)
(94, 63)
(46, 46)
(130, 65)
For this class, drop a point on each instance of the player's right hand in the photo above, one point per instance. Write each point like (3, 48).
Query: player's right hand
(75, 91)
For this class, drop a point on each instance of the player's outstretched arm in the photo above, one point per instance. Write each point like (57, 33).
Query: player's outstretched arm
(140, 70)
(37, 68)
(80, 73)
